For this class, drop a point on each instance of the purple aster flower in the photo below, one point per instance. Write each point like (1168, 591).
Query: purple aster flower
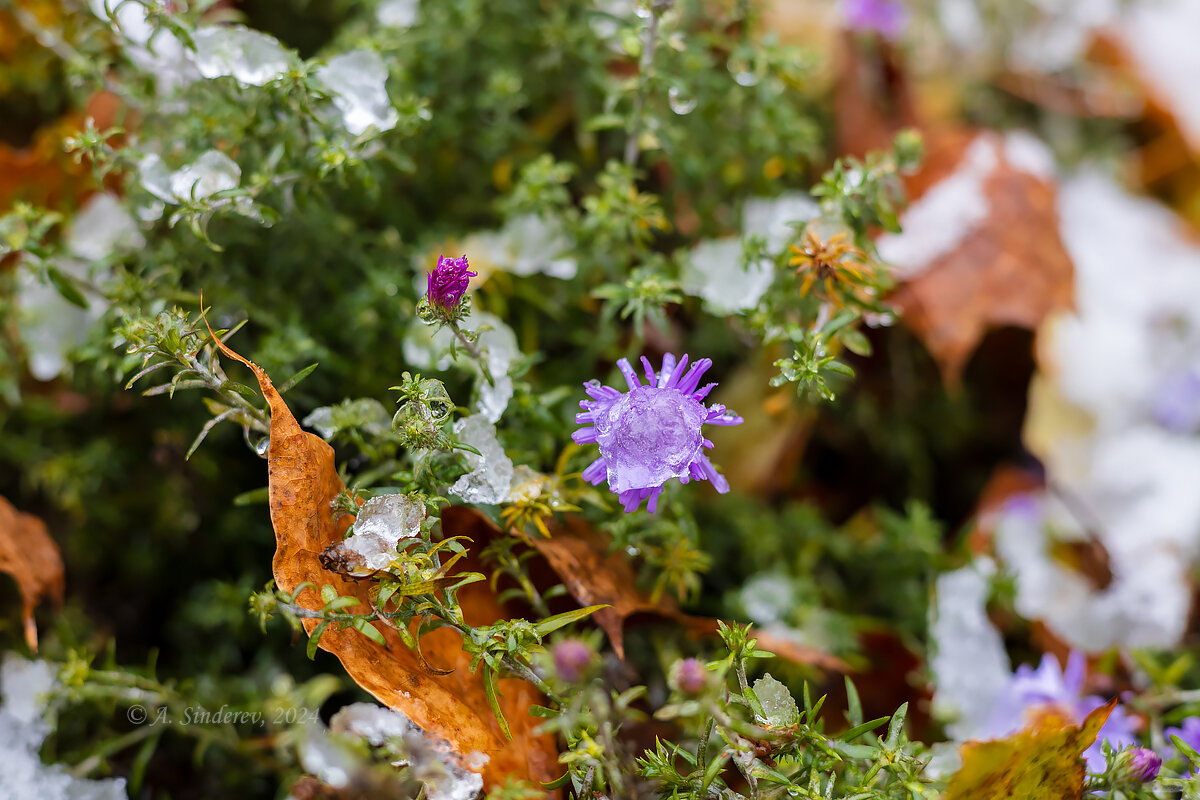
(887, 17)
(1189, 732)
(1176, 405)
(448, 282)
(1031, 692)
(651, 433)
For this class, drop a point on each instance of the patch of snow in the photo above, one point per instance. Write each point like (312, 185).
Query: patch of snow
(397, 13)
(944, 216)
(713, 272)
(773, 217)
(1160, 38)
(526, 245)
(969, 664)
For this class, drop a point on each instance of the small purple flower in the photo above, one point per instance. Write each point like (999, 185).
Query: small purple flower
(448, 282)
(1033, 691)
(572, 659)
(1142, 764)
(887, 17)
(651, 433)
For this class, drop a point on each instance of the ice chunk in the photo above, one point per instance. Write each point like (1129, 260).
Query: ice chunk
(22, 731)
(397, 13)
(430, 760)
(940, 219)
(374, 723)
(777, 702)
(212, 172)
(357, 82)
(969, 664)
(380, 525)
(364, 412)
(768, 598)
(499, 344)
(251, 57)
(157, 52)
(490, 478)
(331, 760)
(713, 271)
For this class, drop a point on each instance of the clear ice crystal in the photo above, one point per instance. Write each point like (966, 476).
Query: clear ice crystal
(251, 57)
(768, 598)
(499, 343)
(102, 226)
(380, 525)
(357, 82)
(490, 479)
(777, 702)
(22, 731)
(212, 172)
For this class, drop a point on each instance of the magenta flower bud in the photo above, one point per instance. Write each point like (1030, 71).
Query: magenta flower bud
(689, 676)
(572, 659)
(448, 282)
(1143, 764)
(652, 433)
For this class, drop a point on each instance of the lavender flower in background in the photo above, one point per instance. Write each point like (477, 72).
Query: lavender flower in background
(1032, 692)
(1189, 732)
(651, 433)
(886, 17)
(1176, 404)
(448, 282)
(572, 658)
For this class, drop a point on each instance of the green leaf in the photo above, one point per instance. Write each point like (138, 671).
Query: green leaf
(66, 287)
(550, 624)
(314, 638)
(859, 730)
(370, 631)
(292, 382)
(489, 687)
(853, 705)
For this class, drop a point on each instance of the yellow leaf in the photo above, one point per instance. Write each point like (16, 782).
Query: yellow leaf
(1042, 762)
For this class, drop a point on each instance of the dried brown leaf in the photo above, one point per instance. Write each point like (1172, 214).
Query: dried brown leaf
(29, 554)
(303, 481)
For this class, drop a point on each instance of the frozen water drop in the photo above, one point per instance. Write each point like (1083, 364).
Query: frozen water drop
(680, 103)
(742, 71)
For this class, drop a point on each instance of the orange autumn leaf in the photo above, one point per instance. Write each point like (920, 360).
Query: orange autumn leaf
(1042, 762)
(302, 482)
(29, 554)
(981, 247)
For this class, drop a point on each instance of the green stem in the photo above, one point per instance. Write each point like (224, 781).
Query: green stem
(474, 351)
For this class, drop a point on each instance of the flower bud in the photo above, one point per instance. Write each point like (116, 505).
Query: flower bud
(1136, 766)
(572, 659)
(448, 282)
(689, 676)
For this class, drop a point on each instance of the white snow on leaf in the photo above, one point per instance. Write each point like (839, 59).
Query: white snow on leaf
(938, 221)
(158, 53)
(251, 57)
(22, 731)
(490, 478)
(1160, 38)
(969, 664)
(398, 13)
(357, 83)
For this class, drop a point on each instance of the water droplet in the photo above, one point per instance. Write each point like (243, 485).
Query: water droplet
(742, 71)
(259, 444)
(680, 103)
(631, 550)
